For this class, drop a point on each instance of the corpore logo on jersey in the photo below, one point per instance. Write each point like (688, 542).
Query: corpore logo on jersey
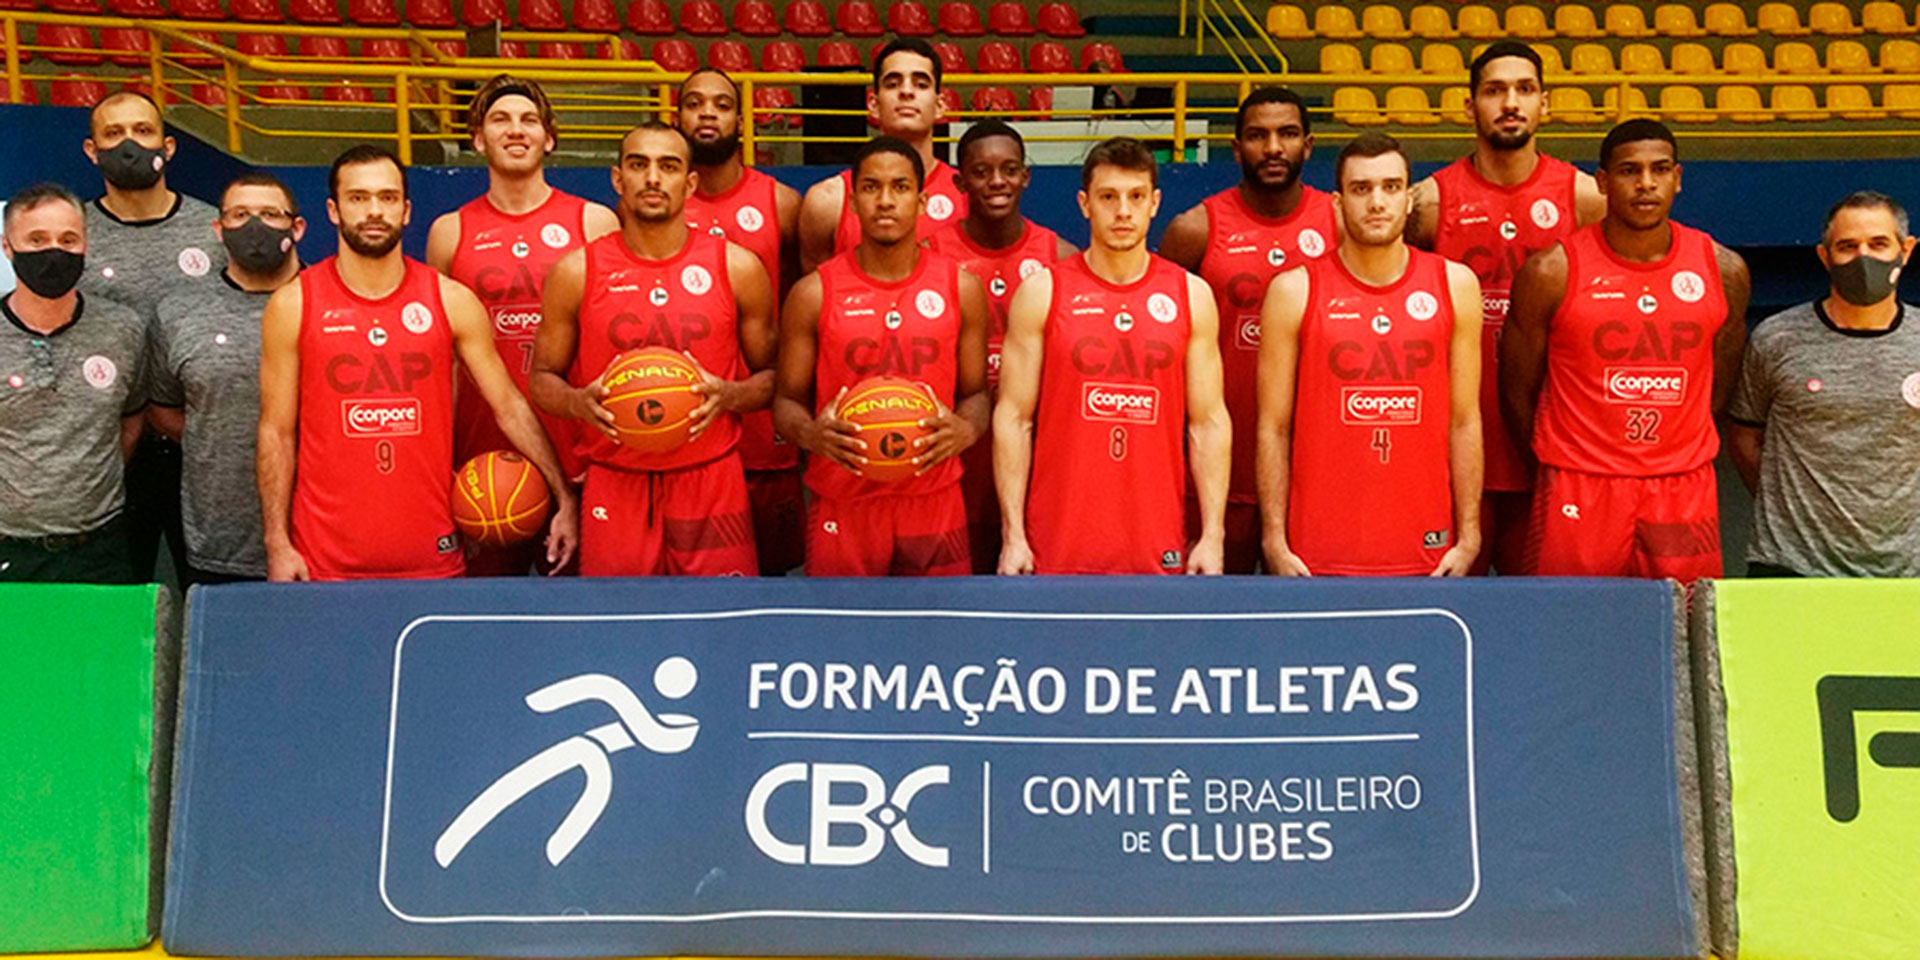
(1248, 337)
(1661, 386)
(382, 417)
(516, 321)
(1380, 406)
(1121, 403)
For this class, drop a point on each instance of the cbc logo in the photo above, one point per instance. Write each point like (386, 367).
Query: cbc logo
(877, 816)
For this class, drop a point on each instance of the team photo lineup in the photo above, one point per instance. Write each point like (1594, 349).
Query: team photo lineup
(1519, 365)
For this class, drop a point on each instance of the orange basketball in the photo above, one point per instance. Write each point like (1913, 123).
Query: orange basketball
(650, 391)
(499, 499)
(888, 411)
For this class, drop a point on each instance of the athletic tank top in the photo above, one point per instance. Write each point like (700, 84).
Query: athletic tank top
(1000, 271)
(1109, 477)
(1369, 486)
(1493, 230)
(375, 456)
(749, 215)
(946, 203)
(906, 328)
(685, 303)
(1244, 252)
(1629, 388)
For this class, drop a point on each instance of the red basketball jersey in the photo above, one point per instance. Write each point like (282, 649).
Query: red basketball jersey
(504, 258)
(1109, 474)
(906, 328)
(1493, 230)
(1244, 252)
(1000, 271)
(749, 214)
(946, 203)
(1629, 388)
(375, 460)
(684, 302)
(1369, 490)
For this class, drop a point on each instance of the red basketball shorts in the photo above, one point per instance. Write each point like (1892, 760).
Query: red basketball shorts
(693, 522)
(916, 536)
(1588, 525)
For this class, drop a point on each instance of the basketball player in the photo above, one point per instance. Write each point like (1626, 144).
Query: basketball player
(657, 283)
(905, 104)
(1238, 240)
(998, 245)
(1491, 210)
(1109, 392)
(1369, 429)
(356, 400)
(500, 245)
(887, 307)
(762, 214)
(1623, 345)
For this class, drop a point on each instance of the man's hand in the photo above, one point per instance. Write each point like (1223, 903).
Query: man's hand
(286, 565)
(586, 406)
(722, 396)
(951, 434)
(1016, 558)
(1282, 562)
(563, 532)
(1208, 558)
(838, 440)
(1457, 560)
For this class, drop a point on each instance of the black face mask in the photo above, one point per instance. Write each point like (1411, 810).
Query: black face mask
(49, 273)
(256, 247)
(1865, 281)
(131, 166)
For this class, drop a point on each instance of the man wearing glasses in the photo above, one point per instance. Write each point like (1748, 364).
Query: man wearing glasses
(205, 386)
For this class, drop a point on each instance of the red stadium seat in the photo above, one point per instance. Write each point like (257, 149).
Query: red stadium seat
(755, 18)
(256, 11)
(807, 18)
(995, 98)
(479, 13)
(373, 13)
(952, 59)
(1039, 103)
(73, 44)
(28, 94)
(858, 18)
(314, 12)
(398, 51)
(731, 56)
(1105, 53)
(80, 7)
(561, 51)
(190, 56)
(513, 49)
(541, 15)
(1009, 20)
(782, 56)
(675, 55)
(1049, 57)
(327, 48)
(838, 53)
(81, 91)
(960, 19)
(282, 91)
(650, 18)
(702, 18)
(1059, 20)
(431, 14)
(768, 101)
(457, 48)
(152, 9)
(950, 100)
(209, 95)
(347, 92)
(999, 56)
(261, 44)
(909, 19)
(128, 47)
(596, 16)
(198, 10)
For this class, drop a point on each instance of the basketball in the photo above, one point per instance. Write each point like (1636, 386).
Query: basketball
(650, 391)
(888, 411)
(499, 499)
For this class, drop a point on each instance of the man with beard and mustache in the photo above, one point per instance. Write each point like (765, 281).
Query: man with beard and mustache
(762, 214)
(1369, 410)
(1491, 210)
(1237, 240)
(356, 400)
(658, 283)
(500, 245)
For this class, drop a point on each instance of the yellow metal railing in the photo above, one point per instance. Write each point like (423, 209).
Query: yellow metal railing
(1240, 42)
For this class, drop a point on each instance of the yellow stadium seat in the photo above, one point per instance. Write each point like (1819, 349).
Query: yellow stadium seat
(1331, 22)
(1341, 58)
(1550, 62)
(1627, 21)
(1288, 22)
(1527, 22)
(1831, 19)
(1741, 105)
(1852, 102)
(1676, 20)
(1432, 22)
(1409, 106)
(1575, 20)
(1692, 59)
(1571, 105)
(1356, 106)
(1636, 104)
(1455, 105)
(1744, 59)
(1795, 102)
(1903, 99)
(1390, 58)
(1642, 59)
(1592, 58)
(1441, 58)
(1684, 105)
(1479, 22)
(1381, 22)
(1727, 20)
(1780, 19)
(1885, 17)
(1848, 56)
(1794, 57)
(1900, 56)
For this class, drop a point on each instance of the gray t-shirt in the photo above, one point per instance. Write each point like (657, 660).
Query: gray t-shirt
(206, 358)
(1840, 467)
(139, 262)
(62, 395)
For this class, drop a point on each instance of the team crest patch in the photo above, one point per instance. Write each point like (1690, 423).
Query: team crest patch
(930, 303)
(1029, 267)
(1276, 257)
(1546, 214)
(1311, 243)
(998, 285)
(1688, 286)
(696, 279)
(1382, 325)
(894, 319)
(1910, 390)
(416, 317)
(750, 219)
(99, 371)
(1648, 303)
(657, 296)
(520, 249)
(1422, 305)
(1123, 321)
(555, 236)
(939, 207)
(194, 262)
(1162, 308)
(377, 336)
(1507, 230)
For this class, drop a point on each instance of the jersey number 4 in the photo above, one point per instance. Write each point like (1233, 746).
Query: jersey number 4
(1383, 443)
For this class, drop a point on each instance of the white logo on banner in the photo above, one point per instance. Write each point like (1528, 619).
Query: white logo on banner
(674, 678)
(877, 815)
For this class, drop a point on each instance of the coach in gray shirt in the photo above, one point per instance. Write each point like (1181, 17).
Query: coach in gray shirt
(1826, 416)
(206, 378)
(70, 402)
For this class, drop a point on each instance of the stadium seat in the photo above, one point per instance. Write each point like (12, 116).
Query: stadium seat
(1780, 19)
(1852, 102)
(388, 50)
(72, 44)
(431, 14)
(1550, 63)
(769, 101)
(1832, 20)
(1527, 22)
(1334, 22)
(1381, 22)
(1408, 106)
(1743, 59)
(1104, 53)
(127, 46)
(1798, 103)
(907, 18)
(261, 44)
(650, 18)
(754, 18)
(538, 15)
(314, 13)
(1456, 105)
(1288, 22)
(194, 10)
(346, 91)
(1900, 56)
(597, 16)
(1479, 22)
(1684, 105)
(1727, 20)
(702, 18)
(731, 56)
(28, 94)
(806, 18)
(1885, 17)
(1794, 57)
(998, 56)
(998, 99)
(76, 7)
(858, 18)
(1591, 58)
(154, 9)
(1692, 59)
(1636, 104)
(1357, 107)
(1903, 99)
(1430, 22)
(675, 55)
(1009, 20)
(188, 55)
(1848, 56)
(1741, 105)
(1676, 20)
(1049, 57)
(373, 13)
(837, 53)
(281, 91)
(325, 48)
(74, 90)
(1642, 59)
(1576, 20)
(1441, 58)
(209, 95)
(1057, 20)
(1572, 105)
(1626, 21)
(1341, 59)
(953, 59)
(458, 47)
(479, 13)
(960, 19)
(950, 101)
(782, 56)
(1390, 59)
